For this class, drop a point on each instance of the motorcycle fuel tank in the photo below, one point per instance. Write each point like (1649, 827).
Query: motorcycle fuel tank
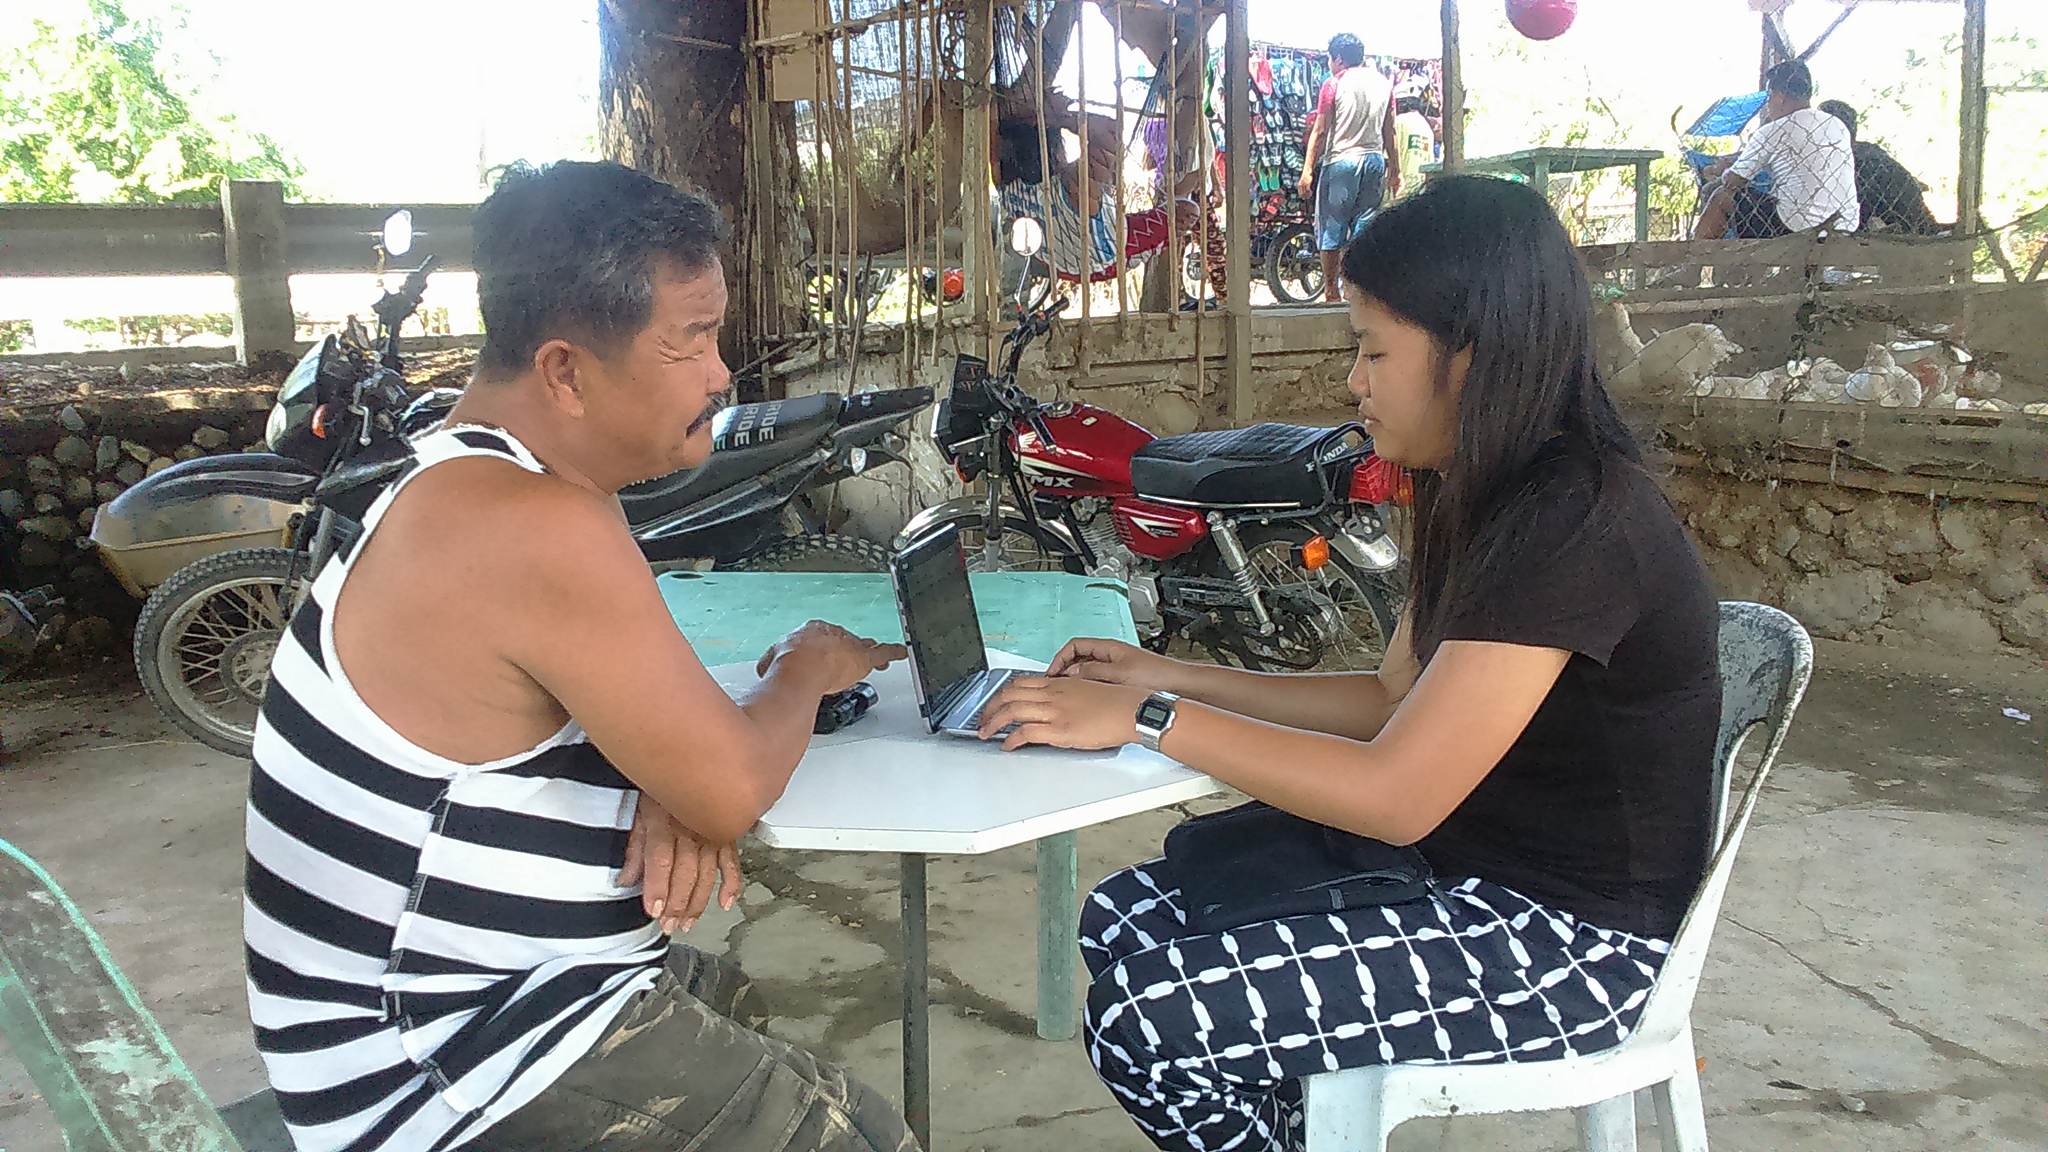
(1089, 455)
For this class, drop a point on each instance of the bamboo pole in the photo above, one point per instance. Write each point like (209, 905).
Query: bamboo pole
(1173, 61)
(910, 218)
(850, 177)
(1454, 93)
(1237, 201)
(762, 205)
(1089, 208)
(821, 226)
(933, 202)
(977, 253)
(1970, 181)
(1045, 169)
(1123, 216)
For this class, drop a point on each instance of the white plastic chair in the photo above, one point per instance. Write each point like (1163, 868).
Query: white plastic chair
(1766, 659)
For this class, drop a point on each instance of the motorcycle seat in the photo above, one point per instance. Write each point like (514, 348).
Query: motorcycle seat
(747, 440)
(1265, 464)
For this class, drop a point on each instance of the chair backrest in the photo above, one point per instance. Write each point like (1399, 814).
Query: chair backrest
(109, 1075)
(1766, 660)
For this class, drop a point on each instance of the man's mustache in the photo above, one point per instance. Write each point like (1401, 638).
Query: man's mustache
(716, 405)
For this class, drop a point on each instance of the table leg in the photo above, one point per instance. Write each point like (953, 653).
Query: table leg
(1642, 200)
(1539, 177)
(917, 1063)
(1058, 884)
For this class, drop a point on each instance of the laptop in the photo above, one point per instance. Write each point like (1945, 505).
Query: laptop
(948, 662)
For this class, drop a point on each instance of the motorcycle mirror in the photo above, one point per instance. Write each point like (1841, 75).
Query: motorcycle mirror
(1027, 236)
(397, 236)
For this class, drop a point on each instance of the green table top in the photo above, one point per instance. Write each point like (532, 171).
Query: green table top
(730, 617)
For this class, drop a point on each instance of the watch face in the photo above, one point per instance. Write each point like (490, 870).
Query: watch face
(1154, 713)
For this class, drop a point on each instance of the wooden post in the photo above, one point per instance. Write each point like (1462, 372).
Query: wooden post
(1642, 200)
(1237, 200)
(766, 312)
(1970, 182)
(1454, 93)
(977, 250)
(253, 214)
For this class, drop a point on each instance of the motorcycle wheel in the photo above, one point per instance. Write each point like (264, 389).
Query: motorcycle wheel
(1195, 289)
(1335, 619)
(205, 638)
(820, 552)
(1294, 267)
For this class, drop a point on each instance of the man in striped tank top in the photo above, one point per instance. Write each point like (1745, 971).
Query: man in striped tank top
(483, 731)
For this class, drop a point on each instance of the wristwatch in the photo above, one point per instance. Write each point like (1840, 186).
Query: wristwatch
(1155, 718)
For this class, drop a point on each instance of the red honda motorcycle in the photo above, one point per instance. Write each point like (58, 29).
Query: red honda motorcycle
(1264, 545)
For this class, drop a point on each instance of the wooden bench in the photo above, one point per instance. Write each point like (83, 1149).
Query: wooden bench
(102, 1063)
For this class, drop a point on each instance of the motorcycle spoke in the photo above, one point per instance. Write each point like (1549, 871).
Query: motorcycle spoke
(202, 624)
(244, 605)
(269, 607)
(200, 657)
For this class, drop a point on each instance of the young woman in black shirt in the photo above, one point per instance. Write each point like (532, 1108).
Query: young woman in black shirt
(1542, 728)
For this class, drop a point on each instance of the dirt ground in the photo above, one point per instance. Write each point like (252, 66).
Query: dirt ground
(1876, 982)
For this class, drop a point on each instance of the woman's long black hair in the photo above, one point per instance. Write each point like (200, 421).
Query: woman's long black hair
(1484, 264)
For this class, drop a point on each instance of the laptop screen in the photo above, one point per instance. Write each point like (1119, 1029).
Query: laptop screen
(938, 614)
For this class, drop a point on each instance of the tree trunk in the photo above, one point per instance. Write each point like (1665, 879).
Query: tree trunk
(674, 106)
(673, 88)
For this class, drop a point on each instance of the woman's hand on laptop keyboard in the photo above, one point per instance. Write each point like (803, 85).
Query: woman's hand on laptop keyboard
(1115, 662)
(1064, 712)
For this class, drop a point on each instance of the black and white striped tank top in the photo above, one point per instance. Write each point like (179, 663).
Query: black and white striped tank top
(430, 943)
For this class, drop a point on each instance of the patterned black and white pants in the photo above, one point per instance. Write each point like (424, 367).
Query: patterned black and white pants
(1204, 1039)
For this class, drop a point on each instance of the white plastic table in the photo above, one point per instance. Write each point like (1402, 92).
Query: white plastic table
(888, 785)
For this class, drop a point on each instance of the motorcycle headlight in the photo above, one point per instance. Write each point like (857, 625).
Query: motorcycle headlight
(273, 428)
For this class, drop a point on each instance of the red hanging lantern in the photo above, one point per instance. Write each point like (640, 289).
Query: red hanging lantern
(1542, 19)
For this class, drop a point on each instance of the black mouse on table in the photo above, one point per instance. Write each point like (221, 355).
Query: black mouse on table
(841, 709)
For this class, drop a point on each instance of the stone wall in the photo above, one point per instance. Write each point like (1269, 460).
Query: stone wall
(1957, 575)
(50, 494)
(73, 436)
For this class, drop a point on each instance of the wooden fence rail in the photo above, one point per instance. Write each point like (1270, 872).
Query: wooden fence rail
(251, 235)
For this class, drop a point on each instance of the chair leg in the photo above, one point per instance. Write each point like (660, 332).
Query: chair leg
(1609, 1126)
(1681, 1116)
(1343, 1112)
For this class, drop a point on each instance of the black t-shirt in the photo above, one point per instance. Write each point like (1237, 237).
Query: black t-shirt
(1602, 806)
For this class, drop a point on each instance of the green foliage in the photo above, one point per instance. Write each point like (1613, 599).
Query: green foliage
(14, 335)
(91, 110)
(157, 331)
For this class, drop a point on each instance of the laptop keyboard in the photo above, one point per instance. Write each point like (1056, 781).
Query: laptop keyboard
(974, 722)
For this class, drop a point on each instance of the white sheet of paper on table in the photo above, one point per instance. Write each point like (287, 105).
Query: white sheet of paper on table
(888, 784)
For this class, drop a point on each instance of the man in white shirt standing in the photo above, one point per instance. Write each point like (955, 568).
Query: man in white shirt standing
(1351, 146)
(1811, 162)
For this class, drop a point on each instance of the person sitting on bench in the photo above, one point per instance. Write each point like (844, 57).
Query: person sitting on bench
(1807, 152)
(1888, 193)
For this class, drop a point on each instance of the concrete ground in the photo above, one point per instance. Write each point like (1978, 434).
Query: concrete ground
(1876, 983)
